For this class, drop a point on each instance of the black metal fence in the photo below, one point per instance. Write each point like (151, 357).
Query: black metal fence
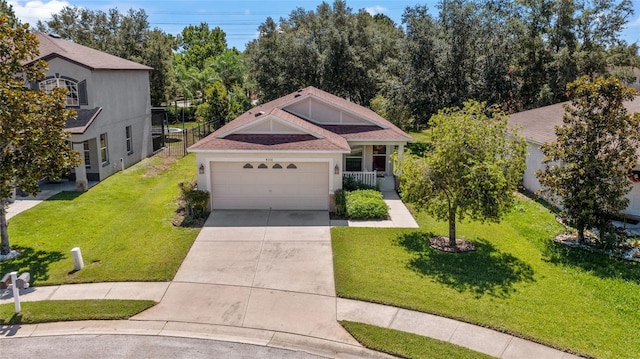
(174, 139)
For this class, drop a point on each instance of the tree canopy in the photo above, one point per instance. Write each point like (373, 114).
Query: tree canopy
(472, 171)
(587, 168)
(33, 143)
(332, 48)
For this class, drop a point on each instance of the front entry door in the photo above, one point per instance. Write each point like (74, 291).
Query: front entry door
(380, 158)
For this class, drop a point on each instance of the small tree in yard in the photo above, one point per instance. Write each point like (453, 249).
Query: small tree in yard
(587, 168)
(33, 143)
(473, 170)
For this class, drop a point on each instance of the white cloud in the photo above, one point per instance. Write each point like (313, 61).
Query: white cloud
(374, 10)
(32, 11)
(247, 12)
(635, 22)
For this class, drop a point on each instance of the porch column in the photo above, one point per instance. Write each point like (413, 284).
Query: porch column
(400, 157)
(81, 171)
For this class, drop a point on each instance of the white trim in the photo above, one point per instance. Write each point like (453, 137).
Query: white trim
(266, 118)
(330, 104)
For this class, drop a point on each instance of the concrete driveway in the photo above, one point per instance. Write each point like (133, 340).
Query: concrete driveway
(270, 270)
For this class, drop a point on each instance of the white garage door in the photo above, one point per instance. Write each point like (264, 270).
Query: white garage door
(270, 185)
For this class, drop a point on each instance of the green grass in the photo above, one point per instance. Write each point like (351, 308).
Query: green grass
(422, 136)
(122, 226)
(518, 281)
(68, 310)
(406, 345)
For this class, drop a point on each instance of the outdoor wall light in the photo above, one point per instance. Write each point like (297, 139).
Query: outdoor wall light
(201, 169)
(336, 170)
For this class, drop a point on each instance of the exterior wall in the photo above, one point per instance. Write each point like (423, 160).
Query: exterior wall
(367, 155)
(125, 100)
(534, 163)
(320, 112)
(333, 159)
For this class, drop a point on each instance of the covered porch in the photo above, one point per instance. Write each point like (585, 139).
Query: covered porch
(369, 163)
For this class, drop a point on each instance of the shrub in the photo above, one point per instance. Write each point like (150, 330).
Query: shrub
(366, 204)
(341, 203)
(351, 184)
(195, 201)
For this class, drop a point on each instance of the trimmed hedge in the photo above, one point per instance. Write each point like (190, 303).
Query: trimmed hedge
(366, 204)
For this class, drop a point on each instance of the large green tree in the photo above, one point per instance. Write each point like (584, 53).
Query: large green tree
(6, 10)
(472, 171)
(586, 170)
(200, 43)
(33, 143)
(333, 48)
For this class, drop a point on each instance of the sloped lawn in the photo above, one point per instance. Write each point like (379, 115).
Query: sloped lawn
(122, 226)
(517, 281)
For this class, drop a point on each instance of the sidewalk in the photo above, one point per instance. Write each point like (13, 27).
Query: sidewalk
(474, 337)
(47, 190)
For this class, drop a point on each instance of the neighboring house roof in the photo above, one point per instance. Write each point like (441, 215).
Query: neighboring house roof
(299, 133)
(85, 117)
(53, 46)
(538, 125)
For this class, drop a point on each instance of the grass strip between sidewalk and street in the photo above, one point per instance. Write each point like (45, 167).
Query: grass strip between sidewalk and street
(407, 345)
(69, 310)
(122, 226)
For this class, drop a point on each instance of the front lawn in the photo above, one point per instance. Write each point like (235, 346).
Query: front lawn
(122, 226)
(517, 281)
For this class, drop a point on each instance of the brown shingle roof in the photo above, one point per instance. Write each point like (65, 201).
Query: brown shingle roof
(538, 125)
(51, 47)
(327, 138)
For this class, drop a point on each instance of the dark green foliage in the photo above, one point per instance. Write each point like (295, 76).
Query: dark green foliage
(341, 203)
(332, 48)
(419, 148)
(366, 204)
(195, 201)
(586, 169)
(351, 184)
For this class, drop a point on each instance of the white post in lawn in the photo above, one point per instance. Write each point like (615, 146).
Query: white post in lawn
(16, 292)
(78, 263)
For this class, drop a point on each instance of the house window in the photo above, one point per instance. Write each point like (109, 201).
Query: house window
(277, 166)
(291, 166)
(262, 165)
(353, 161)
(71, 86)
(104, 151)
(247, 165)
(127, 131)
(87, 154)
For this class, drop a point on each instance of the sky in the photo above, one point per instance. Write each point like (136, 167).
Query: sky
(237, 18)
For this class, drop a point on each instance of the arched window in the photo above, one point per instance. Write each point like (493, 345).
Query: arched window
(71, 86)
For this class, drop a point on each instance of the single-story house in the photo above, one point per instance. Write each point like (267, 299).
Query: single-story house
(112, 129)
(292, 152)
(537, 126)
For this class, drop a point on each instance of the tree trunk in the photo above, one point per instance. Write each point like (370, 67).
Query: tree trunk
(4, 246)
(580, 233)
(452, 228)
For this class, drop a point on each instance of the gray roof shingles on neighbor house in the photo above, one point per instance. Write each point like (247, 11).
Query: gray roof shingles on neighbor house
(538, 125)
(52, 46)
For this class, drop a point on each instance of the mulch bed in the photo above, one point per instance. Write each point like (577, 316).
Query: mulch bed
(442, 243)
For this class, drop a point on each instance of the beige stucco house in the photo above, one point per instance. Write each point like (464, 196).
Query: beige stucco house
(111, 96)
(292, 153)
(537, 126)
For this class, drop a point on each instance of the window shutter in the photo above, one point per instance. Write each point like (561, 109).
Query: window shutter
(83, 99)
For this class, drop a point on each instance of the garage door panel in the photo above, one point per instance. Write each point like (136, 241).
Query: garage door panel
(304, 187)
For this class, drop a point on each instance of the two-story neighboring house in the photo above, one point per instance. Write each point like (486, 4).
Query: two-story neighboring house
(111, 96)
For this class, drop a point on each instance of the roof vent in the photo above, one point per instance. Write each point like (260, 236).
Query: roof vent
(55, 36)
(297, 95)
(259, 113)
